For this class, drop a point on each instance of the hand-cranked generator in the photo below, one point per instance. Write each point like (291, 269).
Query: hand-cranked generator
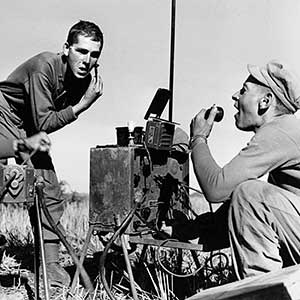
(16, 184)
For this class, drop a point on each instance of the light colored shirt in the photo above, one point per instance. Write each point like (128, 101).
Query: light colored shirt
(273, 150)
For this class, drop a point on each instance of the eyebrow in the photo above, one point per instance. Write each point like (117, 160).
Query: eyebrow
(81, 48)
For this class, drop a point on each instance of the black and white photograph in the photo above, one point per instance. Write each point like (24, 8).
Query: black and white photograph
(150, 150)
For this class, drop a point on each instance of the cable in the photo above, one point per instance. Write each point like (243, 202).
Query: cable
(149, 157)
(186, 205)
(107, 226)
(209, 204)
(119, 231)
(85, 276)
(198, 191)
(39, 188)
(168, 271)
(29, 157)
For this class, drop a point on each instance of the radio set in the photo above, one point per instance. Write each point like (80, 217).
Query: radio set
(150, 168)
(159, 133)
(151, 171)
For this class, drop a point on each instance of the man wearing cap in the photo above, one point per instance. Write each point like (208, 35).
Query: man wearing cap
(260, 220)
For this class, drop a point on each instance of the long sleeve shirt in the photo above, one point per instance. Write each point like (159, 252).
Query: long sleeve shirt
(273, 150)
(6, 148)
(41, 92)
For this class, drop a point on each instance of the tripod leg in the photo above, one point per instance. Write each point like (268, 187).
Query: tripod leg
(128, 265)
(196, 260)
(127, 261)
(41, 247)
(36, 261)
(82, 256)
(143, 254)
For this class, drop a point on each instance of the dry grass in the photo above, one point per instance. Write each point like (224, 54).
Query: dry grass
(15, 222)
(75, 221)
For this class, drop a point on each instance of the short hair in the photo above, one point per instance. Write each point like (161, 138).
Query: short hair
(87, 29)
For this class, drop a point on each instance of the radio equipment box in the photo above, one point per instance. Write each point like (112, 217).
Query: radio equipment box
(120, 176)
(154, 175)
(159, 133)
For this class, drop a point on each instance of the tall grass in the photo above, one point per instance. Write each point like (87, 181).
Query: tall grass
(15, 225)
(75, 221)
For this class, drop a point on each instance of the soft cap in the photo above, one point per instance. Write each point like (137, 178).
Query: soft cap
(281, 81)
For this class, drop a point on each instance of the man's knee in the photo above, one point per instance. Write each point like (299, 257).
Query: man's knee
(246, 201)
(246, 191)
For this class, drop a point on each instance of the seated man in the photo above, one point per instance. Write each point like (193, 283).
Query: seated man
(261, 220)
(12, 148)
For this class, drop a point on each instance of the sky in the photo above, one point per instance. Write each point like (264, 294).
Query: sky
(214, 42)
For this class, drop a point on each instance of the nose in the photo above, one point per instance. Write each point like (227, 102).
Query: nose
(235, 96)
(87, 58)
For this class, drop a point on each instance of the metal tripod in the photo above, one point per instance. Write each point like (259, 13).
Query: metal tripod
(36, 196)
(39, 246)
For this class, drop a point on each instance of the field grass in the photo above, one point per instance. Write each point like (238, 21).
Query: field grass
(152, 281)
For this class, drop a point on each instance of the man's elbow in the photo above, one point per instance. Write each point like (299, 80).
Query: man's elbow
(45, 126)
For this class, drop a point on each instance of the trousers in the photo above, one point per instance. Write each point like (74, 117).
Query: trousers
(12, 127)
(264, 228)
(260, 223)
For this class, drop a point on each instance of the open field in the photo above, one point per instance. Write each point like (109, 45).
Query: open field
(154, 283)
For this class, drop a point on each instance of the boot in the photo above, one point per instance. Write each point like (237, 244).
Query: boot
(3, 240)
(57, 275)
(3, 244)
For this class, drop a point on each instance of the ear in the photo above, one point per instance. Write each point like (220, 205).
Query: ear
(66, 48)
(265, 102)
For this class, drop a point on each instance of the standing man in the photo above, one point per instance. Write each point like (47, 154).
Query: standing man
(45, 93)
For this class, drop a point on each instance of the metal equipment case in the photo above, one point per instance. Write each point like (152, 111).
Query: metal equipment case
(121, 175)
